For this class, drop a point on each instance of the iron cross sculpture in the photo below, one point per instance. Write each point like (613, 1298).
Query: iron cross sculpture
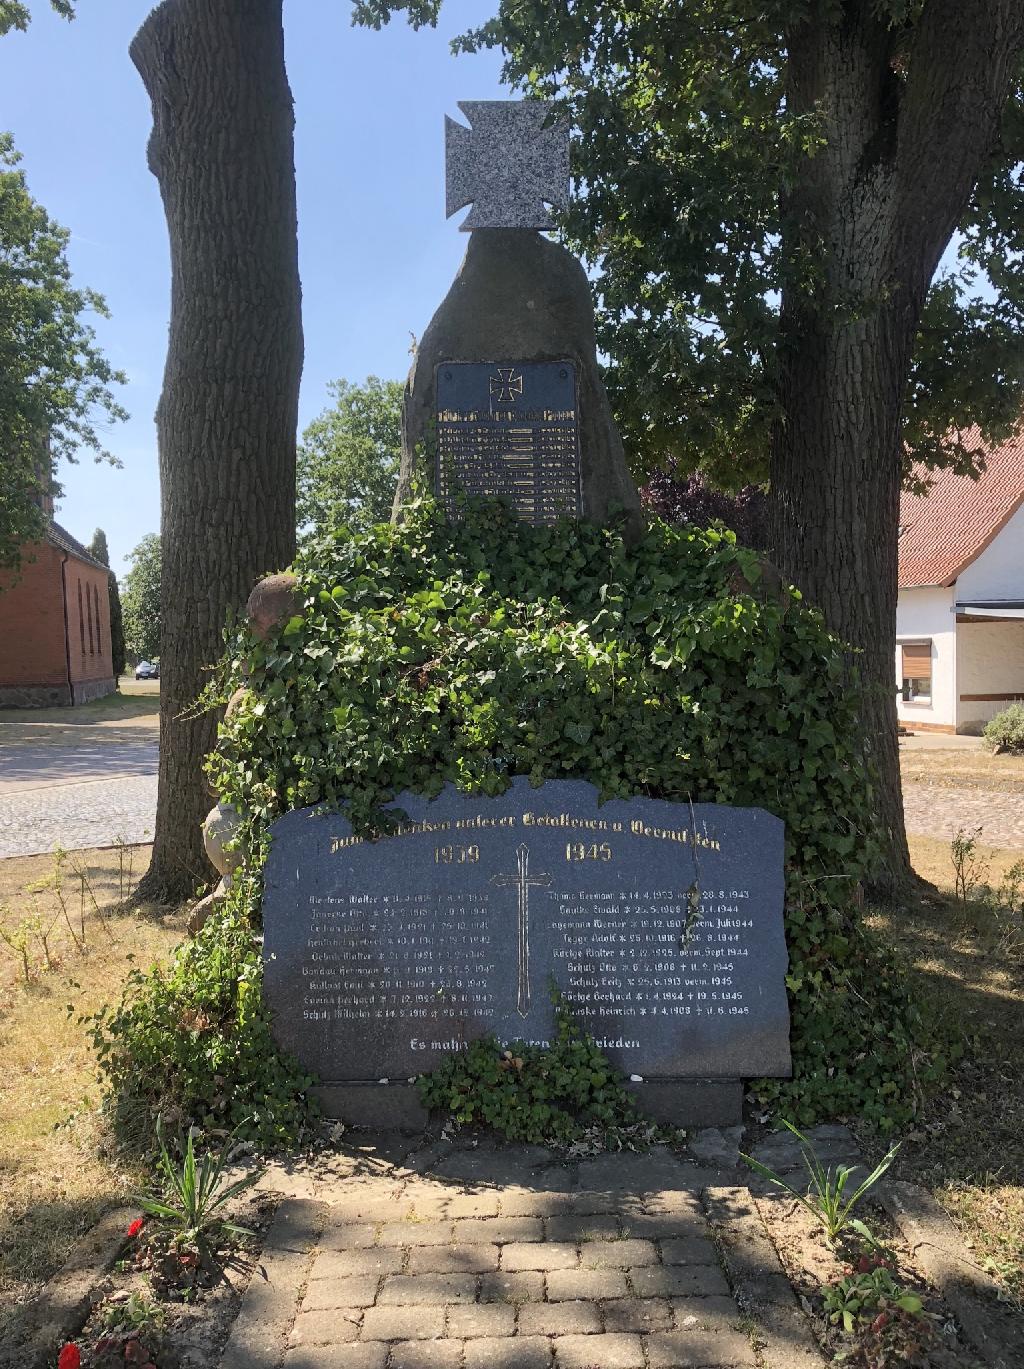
(521, 882)
(509, 166)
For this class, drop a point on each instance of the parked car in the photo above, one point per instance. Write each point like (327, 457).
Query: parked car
(147, 670)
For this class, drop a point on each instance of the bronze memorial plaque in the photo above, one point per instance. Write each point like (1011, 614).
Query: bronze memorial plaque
(510, 430)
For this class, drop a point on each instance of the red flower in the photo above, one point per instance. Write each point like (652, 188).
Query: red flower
(69, 1357)
(136, 1227)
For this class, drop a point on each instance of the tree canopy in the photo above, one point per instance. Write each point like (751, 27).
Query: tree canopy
(141, 600)
(688, 143)
(349, 456)
(54, 381)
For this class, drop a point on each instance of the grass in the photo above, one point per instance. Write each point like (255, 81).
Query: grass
(135, 702)
(58, 1171)
(967, 1147)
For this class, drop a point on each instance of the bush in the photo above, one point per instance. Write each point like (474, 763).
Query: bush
(1006, 730)
(192, 1042)
(470, 653)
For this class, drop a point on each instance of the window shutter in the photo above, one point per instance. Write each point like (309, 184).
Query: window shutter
(917, 661)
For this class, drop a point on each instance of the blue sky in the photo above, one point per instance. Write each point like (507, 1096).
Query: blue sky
(376, 253)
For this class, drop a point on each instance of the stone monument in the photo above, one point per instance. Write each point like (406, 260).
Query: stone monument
(505, 396)
(660, 924)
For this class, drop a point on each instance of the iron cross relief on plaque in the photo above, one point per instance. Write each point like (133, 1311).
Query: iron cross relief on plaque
(508, 166)
(521, 882)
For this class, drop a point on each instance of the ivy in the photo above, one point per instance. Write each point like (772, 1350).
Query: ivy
(469, 653)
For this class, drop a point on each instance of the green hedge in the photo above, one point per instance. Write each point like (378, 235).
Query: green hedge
(472, 652)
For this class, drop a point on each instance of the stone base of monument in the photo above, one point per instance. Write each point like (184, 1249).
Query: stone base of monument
(669, 1102)
(690, 1102)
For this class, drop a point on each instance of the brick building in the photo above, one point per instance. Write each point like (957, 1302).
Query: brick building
(55, 626)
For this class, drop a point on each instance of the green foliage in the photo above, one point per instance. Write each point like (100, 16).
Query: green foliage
(689, 142)
(428, 653)
(864, 1296)
(827, 1199)
(192, 1040)
(1006, 730)
(194, 1194)
(141, 600)
(348, 459)
(53, 378)
(15, 15)
(98, 547)
(532, 1093)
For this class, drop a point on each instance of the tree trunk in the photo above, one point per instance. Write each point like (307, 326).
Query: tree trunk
(222, 151)
(907, 119)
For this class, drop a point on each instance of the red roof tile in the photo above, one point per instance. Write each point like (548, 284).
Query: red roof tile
(942, 532)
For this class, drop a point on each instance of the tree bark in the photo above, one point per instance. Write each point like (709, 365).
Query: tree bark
(907, 121)
(222, 151)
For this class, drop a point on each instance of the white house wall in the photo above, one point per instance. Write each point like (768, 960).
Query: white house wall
(927, 614)
(998, 573)
(990, 660)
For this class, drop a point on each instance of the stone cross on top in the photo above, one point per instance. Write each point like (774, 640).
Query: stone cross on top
(508, 166)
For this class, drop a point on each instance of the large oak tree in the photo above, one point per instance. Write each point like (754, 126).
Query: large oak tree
(222, 151)
(765, 193)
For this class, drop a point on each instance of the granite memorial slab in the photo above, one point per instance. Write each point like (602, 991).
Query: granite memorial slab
(661, 925)
(509, 166)
(510, 431)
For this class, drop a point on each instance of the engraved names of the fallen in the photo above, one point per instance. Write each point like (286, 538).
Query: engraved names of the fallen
(509, 430)
(661, 926)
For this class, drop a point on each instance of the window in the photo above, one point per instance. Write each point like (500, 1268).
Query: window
(916, 677)
(81, 617)
(96, 611)
(88, 605)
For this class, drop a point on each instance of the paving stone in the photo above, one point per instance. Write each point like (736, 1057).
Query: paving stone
(786, 1339)
(582, 1227)
(365, 1355)
(617, 1254)
(514, 1352)
(326, 1326)
(429, 1289)
(678, 1281)
(637, 1314)
(416, 1233)
(695, 1346)
(542, 1255)
(473, 1205)
(345, 1264)
(535, 1202)
(664, 1226)
(328, 1293)
(711, 1314)
(565, 1284)
(453, 1259)
(403, 1323)
(481, 1319)
(357, 1236)
(372, 1208)
(559, 1319)
(717, 1145)
(512, 1287)
(653, 1172)
(518, 1165)
(499, 1229)
(427, 1354)
(689, 1250)
(616, 1351)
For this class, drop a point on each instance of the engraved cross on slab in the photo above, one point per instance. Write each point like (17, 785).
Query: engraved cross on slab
(521, 882)
(509, 166)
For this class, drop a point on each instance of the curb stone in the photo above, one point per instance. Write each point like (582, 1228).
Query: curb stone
(759, 1283)
(259, 1333)
(947, 1263)
(58, 1312)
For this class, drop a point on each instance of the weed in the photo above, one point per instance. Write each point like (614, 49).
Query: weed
(867, 1296)
(826, 1199)
(969, 867)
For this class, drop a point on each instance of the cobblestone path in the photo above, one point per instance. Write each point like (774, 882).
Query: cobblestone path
(510, 1260)
(83, 814)
(935, 811)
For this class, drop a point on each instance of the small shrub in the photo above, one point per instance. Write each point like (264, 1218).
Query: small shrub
(538, 1094)
(1006, 731)
(192, 1041)
(870, 1296)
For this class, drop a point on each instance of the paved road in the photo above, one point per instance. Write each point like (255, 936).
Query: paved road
(935, 811)
(92, 791)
